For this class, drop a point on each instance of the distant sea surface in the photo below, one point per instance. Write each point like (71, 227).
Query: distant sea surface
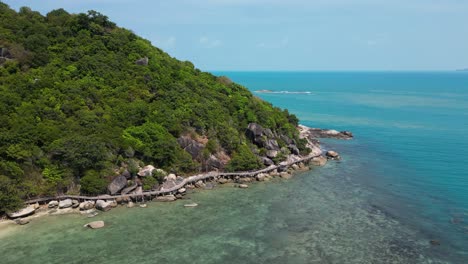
(402, 182)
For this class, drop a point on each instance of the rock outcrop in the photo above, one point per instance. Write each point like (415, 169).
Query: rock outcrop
(193, 147)
(143, 61)
(117, 184)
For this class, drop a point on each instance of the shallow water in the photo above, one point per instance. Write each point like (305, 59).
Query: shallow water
(398, 186)
(318, 216)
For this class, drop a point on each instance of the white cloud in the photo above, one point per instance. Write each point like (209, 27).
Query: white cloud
(210, 43)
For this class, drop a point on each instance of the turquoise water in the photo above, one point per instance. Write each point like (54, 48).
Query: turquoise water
(402, 182)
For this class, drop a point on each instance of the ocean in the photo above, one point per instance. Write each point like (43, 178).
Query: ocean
(402, 183)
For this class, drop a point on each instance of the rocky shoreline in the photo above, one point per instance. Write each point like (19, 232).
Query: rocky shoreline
(176, 187)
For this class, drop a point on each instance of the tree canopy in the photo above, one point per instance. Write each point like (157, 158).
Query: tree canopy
(74, 105)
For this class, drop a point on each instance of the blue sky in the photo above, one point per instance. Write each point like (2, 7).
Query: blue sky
(293, 34)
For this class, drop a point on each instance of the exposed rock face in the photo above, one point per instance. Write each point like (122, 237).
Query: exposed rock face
(168, 184)
(166, 198)
(103, 205)
(223, 180)
(117, 184)
(143, 61)
(86, 205)
(65, 203)
(267, 162)
(213, 163)
(146, 171)
(294, 150)
(182, 190)
(130, 204)
(254, 132)
(260, 177)
(127, 174)
(271, 144)
(171, 177)
(193, 147)
(95, 224)
(53, 204)
(272, 154)
(75, 203)
(23, 212)
(129, 189)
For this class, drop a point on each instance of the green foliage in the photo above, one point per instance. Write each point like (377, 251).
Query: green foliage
(9, 196)
(149, 182)
(243, 160)
(93, 183)
(73, 100)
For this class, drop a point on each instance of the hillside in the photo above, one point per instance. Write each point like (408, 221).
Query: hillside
(83, 101)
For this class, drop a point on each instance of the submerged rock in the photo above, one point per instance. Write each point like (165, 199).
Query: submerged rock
(95, 224)
(285, 175)
(21, 221)
(166, 198)
(191, 205)
(243, 186)
(319, 161)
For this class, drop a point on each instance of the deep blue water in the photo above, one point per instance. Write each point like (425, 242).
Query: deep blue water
(401, 183)
(411, 143)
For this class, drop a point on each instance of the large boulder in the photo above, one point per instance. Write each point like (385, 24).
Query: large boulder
(332, 154)
(29, 210)
(272, 154)
(117, 184)
(53, 204)
(254, 131)
(267, 162)
(193, 147)
(271, 144)
(65, 203)
(86, 205)
(103, 205)
(95, 224)
(127, 174)
(146, 171)
(293, 148)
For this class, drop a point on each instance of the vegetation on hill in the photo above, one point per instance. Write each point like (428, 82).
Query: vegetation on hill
(80, 98)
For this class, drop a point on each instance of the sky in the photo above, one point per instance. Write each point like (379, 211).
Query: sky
(307, 35)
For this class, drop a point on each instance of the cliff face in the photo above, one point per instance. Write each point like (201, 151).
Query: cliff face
(83, 100)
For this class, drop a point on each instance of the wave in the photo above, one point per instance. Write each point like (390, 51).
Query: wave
(283, 92)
